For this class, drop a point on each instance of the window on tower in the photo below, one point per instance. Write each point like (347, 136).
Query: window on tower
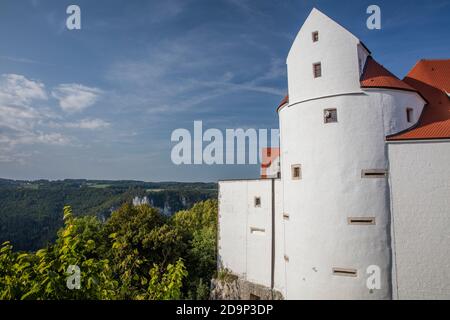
(374, 173)
(329, 115)
(361, 220)
(315, 36)
(296, 172)
(346, 272)
(257, 202)
(317, 70)
(409, 114)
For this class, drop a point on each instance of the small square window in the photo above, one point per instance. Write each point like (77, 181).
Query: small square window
(315, 36)
(296, 172)
(409, 114)
(329, 115)
(317, 70)
(257, 202)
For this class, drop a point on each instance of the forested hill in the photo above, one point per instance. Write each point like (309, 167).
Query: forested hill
(30, 211)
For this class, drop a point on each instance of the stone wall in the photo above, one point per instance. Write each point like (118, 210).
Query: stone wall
(239, 289)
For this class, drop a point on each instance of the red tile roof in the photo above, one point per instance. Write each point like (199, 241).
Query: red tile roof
(432, 79)
(377, 76)
(283, 102)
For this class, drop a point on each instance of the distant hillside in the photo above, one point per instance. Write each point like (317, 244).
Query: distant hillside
(31, 211)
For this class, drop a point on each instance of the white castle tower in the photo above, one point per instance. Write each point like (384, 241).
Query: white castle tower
(322, 228)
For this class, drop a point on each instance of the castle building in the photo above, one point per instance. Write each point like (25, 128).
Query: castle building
(357, 205)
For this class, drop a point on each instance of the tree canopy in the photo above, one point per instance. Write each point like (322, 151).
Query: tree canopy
(137, 253)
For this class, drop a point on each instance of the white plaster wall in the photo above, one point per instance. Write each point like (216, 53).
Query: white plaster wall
(420, 186)
(394, 104)
(280, 263)
(245, 253)
(232, 233)
(332, 156)
(336, 50)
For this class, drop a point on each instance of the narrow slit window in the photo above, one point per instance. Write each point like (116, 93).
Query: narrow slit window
(317, 70)
(329, 115)
(259, 231)
(257, 202)
(296, 172)
(285, 216)
(345, 272)
(361, 220)
(374, 173)
(409, 114)
(315, 36)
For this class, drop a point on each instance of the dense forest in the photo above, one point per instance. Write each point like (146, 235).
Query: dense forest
(136, 253)
(30, 211)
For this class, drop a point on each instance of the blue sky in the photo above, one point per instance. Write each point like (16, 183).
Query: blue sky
(102, 102)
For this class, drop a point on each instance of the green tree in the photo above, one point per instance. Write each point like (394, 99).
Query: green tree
(166, 285)
(137, 254)
(198, 227)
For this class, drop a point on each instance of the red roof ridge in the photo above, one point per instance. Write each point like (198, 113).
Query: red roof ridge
(431, 79)
(376, 75)
(283, 102)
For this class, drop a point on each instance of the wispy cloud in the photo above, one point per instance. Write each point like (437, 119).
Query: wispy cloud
(91, 124)
(19, 60)
(245, 7)
(76, 97)
(180, 74)
(25, 60)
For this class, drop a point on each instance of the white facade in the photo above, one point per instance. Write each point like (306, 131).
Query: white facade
(248, 251)
(420, 189)
(318, 248)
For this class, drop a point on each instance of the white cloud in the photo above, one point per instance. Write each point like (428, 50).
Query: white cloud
(16, 89)
(91, 124)
(75, 97)
(17, 98)
(22, 116)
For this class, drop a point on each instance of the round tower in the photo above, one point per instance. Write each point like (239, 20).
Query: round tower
(334, 167)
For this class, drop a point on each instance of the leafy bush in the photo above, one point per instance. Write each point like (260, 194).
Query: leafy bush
(138, 253)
